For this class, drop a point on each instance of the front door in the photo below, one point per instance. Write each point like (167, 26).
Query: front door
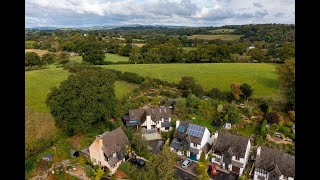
(235, 169)
(193, 156)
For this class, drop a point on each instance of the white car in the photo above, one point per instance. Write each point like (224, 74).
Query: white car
(186, 163)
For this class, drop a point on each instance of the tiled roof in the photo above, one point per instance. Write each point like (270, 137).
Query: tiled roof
(183, 135)
(233, 144)
(271, 159)
(114, 141)
(206, 148)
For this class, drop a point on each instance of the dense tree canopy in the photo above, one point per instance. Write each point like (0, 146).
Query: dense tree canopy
(33, 59)
(246, 90)
(94, 56)
(286, 76)
(85, 98)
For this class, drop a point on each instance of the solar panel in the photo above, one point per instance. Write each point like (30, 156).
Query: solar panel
(181, 128)
(195, 130)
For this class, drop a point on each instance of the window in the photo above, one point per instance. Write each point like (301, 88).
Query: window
(237, 158)
(99, 162)
(94, 160)
(194, 145)
(110, 157)
(167, 128)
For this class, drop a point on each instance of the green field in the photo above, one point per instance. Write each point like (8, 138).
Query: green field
(123, 88)
(262, 77)
(38, 84)
(109, 57)
(222, 30)
(229, 37)
(116, 57)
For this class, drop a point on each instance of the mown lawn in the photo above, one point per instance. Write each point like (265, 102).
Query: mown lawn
(247, 131)
(226, 37)
(206, 123)
(262, 77)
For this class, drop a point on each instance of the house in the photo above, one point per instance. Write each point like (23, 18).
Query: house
(230, 151)
(152, 121)
(47, 157)
(191, 140)
(108, 149)
(273, 164)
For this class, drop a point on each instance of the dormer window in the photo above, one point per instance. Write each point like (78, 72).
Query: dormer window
(194, 145)
(237, 158)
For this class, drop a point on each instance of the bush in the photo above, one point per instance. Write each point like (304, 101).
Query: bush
(289, 124)
(167, 135)
(202, 157)
(132, 77)
(274, 127)
(263, 128)
(285, 130)
(273, 117)
(264, 107)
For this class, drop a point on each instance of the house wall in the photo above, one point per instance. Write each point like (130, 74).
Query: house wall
(205, 137)
(214, 159)
(246, 157)
(96, 153)
(148, 122)
(257, 174)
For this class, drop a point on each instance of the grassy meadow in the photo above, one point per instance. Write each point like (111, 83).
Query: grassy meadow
(109, 57)
(229, 37)
(262, 77)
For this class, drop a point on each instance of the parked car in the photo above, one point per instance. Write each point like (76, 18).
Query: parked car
(138, 162)
(186, 163)
(213, 170)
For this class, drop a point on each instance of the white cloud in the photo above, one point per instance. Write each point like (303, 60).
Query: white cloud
(178, 12)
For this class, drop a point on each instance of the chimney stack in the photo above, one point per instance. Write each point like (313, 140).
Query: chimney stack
(177, 124)
(258, 151)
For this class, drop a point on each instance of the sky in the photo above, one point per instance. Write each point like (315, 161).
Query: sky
(85, 13)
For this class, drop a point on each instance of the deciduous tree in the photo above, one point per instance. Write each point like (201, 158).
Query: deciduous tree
(286, 76)
(85, 98)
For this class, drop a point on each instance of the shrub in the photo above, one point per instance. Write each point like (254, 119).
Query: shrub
(289, 124)
(284, 130)
(202, 157)
(264, 107)
(274, 127)
(132, 77)
(263, 128)
(273, 117)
